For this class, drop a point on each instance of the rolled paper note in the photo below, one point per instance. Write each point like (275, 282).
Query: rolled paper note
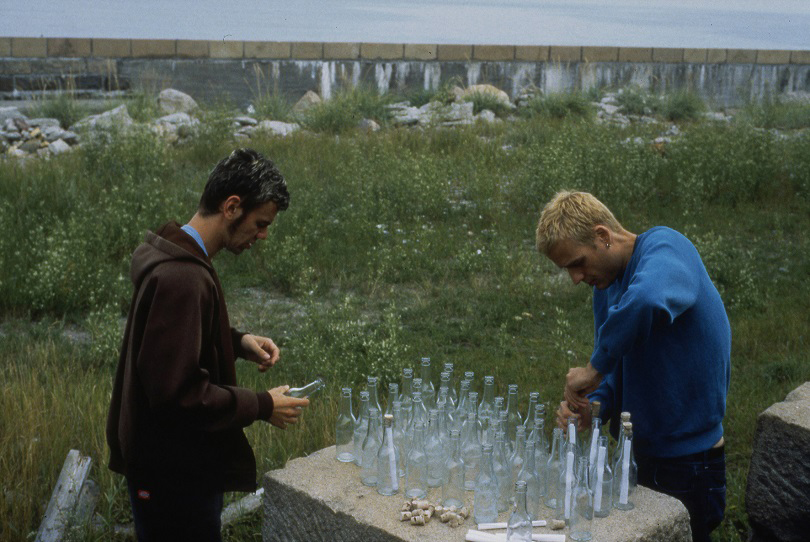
(392, 459)
(502, 525)
(624, 487)
(479, 536)
(569, 482)
(600, 474)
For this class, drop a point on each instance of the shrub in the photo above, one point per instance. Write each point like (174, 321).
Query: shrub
(343, 111)
(484, 100)
(273, 107)
(64, 107)
(558, 106)
(682, 106)
(636, 101)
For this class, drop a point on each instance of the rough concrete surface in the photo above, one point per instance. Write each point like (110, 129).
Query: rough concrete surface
(779, 478)
(318, 498)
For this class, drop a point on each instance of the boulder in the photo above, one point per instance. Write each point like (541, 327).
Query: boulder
(43, 123)
(779, 475)
(9, 113)
(307, 101)
(278, 128)
(368, 125)
(490, 90)
(58, 147)
(114, 118)
(245, 121)
(486, 116)
(174, 101)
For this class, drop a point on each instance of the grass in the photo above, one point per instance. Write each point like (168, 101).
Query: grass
(676, 106)
(346, 109)
(558, 106)
(397, 245)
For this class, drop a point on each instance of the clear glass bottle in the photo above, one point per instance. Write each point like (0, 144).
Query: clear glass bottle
(416, 464)
(513, 418)
(472, 408)
(453, 488)
(534, 398)
(519, 526)
(542, 446)
(485, 503)
(626, 473)
(519, 454)
(344, 428)
(572, 436)
(593, 446)
(361, 428)
(405, 396)
(443, 405)
(566, 483)
(503, 471)
(470, 450)
(428, 389)
(371, 445)
(470, 375)
(393, 395)
(528, 474)
(486, 409)
(453, 395)
(625, 417)
(400, 441)
(388, 460)
(540, 457)
(373, 396)
(553, 467)
(460, 414)
(581, 520)
(420, 413)
(602, 480)
(307, 391)
(434, 450)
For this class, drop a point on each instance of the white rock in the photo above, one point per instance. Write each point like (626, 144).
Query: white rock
(114, 118)
(277, 127)
(174, 101)
(43, 123)
(307, 101)
(8, 113)
(368, 125)
(58, 147)
(487, 116)
(178, 119)
(489, 90)
(245, 121)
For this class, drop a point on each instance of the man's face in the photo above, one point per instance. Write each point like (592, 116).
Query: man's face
(249, 228)
(589, 263)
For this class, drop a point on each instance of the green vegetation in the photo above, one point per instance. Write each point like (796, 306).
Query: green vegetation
(485, 100)
(558, 106)
(345, 109)
(677, 106)
(396, 245)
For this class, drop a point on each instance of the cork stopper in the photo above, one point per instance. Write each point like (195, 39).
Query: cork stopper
(625, 417)
(628, 428)
(596, 408)
(388, 420)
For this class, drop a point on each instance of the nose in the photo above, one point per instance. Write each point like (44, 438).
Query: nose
(262, 234)
(576, 276)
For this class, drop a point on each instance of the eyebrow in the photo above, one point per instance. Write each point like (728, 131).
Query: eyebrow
(574, 263)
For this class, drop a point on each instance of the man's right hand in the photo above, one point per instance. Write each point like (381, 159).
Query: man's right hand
(286, 409)
(564, 412)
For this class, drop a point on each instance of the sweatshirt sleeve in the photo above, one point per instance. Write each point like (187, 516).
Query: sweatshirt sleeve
(176, 383)
(664, 284)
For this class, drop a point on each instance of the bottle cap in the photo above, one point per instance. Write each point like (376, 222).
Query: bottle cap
(625, 416)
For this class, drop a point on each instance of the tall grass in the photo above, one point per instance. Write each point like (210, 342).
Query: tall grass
(396, 245)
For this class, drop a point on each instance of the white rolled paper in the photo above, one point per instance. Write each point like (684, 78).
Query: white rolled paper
(600, 476)
(502, 525)
(624, 487)
(479, 536)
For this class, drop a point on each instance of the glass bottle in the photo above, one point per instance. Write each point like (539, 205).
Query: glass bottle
(534, 397)
(420, 413)
(540, 457)
(443, 406)
(470, 450)
(485, 503)
(572, 436)
(400, 441)
(593, 447)
(519, 454)
(344, 428)
(625, 417)
(553, 467)
(428, 389)
(519, 526)
(581, 519)
(371, 445)
(393, 395)
(485, 410)
(453, 488)
(453, 395)
(373, 397)
(528, 474)
(472, 408)
(602, 480)
(469, 375)
(444, 380)
(361, 428)
(434, 450)
(503, 470)
(513, 418)
(307, 391)
(405, 395)
(566, 483)
(542, 446)
(461, 406)
(416, 464)
(626, 473)
(388, 460)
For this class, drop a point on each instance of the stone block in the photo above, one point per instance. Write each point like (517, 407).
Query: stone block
(667, 54)
(559, 53)
(382, 51)
(635, 54)
(5, 46)
(773, 57)
(454, 52)
(800, 57)
(779, 475)
(341, 51)
(421, 51)
(319, 498)
(494, 53)
(695, 56)
(741, 56)
(70, 47)
(716, 56)
(531, 53)
(15, 66)
(192, 49)
(267, 49)
(226, 49)
(29, 47)
(600, 54)
(307, 50)
(153, 48)
(112, 48)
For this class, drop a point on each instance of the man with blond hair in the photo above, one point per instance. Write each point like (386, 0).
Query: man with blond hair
(662, 348)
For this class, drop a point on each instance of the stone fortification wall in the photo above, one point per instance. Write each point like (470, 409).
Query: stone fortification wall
(241, 70)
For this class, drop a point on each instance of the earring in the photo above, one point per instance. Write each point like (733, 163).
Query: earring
(607, 245)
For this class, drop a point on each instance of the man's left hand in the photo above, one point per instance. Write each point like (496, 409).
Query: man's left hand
(260, 350)
(579, 382)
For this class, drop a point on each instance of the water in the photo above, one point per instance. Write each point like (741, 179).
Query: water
(746, 24)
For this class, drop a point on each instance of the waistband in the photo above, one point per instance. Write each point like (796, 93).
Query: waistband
(706, 455)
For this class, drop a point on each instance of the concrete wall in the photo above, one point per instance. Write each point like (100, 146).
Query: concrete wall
(240, 71)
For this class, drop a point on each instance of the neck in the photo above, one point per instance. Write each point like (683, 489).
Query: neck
(624, 242)
(208, 227)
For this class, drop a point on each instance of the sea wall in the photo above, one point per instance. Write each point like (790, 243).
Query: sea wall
(240, 71)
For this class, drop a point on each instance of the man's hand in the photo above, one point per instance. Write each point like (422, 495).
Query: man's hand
(260, 350)
(579, 382)
(286, 409)
(564, 412)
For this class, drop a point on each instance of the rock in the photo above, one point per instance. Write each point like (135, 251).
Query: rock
(52, 133)
(716, 116)
(17, 153)
(43, 123)
(307, 101)
(177, 119)
(486, 116)
(368, 125)
(174, 101)
(58, 147)
(10, 126)
(71, 138)
(245, 121)
(114, 118)
(9, 113)
(278, 128)
(12, 136)
(176, 126)
(779, 475)
(30, 146)
(405, 115)
(490, 90)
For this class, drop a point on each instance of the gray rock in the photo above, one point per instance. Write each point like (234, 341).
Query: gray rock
(307, 101)
(174, 101)
(368, 125)
(486, 116)
(52, 133)
(17, 153)
(406, 116)
(12, 136)
(71, 138)
(43, 123)
(8, 113)
(114, 118)
(779, 475)
(58, 147)
(177, 119)
(278, 128)
(30, 146)
(245, 121)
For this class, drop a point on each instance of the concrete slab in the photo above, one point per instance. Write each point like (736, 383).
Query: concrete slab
(319, 498)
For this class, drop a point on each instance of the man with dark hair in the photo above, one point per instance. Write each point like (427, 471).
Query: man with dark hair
(176, 416)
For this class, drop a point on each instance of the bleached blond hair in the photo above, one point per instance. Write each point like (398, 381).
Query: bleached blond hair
(572, 215)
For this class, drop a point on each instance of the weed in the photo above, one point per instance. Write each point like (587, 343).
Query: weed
(558, 106)
(485, 100)
(682, 106)
(343, 111)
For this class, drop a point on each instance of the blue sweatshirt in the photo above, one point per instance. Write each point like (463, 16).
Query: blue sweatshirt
(663, 343)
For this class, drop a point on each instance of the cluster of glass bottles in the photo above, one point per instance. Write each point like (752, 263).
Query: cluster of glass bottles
(451, 439)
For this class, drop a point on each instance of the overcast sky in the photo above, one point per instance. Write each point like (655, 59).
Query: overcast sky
(761, 24)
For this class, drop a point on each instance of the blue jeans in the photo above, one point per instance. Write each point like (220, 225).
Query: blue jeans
(163, 513)
(697, 480)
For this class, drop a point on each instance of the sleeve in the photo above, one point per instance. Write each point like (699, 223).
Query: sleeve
(664, 285)
(605, 393)
(236, 341)
(178, 320)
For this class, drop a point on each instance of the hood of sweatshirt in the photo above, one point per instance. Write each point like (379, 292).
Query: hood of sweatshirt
(169, 242)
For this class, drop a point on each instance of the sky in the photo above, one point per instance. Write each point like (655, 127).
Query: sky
(747, 24)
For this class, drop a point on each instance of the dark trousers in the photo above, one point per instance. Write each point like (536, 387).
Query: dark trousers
(164, 513)
(697, 480)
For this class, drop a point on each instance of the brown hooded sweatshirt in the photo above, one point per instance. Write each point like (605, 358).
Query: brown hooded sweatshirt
(176, 414)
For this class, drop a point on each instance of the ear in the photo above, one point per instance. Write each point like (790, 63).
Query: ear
(602, 235)
(231, 207)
